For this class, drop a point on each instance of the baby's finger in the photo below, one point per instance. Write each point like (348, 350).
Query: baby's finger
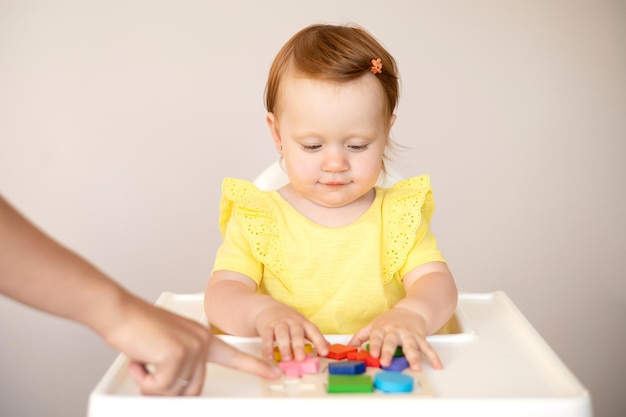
(411, 352)
(313, 334)
(430, 353)
(297, 342)
(360, 336)
(390, 343)
(376, 339)
(267, 344)
(282, 335)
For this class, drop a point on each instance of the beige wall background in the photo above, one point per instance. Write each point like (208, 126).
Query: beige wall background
(118, 120)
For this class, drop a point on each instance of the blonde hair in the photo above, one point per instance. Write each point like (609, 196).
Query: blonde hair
(334, 53)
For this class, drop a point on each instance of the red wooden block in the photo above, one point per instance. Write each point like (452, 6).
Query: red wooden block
(364, 355)
(339, 351)
(359, 355)
(372, 362)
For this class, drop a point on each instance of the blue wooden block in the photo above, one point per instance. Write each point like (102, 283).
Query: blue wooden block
(346, 368)
(399, 364)
(393, 382)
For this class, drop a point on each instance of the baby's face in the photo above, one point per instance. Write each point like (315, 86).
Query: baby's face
(333, 136)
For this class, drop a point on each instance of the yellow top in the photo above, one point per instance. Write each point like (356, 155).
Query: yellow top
(340, 278)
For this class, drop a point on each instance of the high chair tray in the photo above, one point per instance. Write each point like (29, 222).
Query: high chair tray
(495, 364)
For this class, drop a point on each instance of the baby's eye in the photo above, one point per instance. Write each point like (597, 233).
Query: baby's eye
(357, 147)
(311, 148)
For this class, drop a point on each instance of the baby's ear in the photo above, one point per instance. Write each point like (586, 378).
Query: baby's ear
(392, 120)
(270, 119)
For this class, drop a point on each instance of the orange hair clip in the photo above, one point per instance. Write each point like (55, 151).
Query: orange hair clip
(377, 66)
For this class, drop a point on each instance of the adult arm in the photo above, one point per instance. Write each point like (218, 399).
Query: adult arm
(39, 272)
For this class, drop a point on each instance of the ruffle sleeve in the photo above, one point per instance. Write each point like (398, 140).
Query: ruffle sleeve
(408, 205)
(251, 208)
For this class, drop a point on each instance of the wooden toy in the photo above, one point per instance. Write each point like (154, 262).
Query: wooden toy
(295, 368)
(339, 351)
(364, 355)
(308, 349)
(349, 384)
(346, 368)
(397, 353)
(393, 382)
(398, 363)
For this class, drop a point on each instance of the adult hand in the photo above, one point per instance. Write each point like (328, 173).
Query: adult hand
(169, 352)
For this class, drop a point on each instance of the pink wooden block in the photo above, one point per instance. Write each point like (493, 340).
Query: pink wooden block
(291, 368)
(310, 365)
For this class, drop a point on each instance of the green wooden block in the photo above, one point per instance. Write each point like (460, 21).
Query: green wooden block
(396, 354)
(350, 383)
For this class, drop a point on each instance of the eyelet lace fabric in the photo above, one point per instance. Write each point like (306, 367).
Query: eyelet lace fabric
(404, 209)
(408, 203)
(258, 223)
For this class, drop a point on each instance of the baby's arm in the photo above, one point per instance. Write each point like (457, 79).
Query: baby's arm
(232, 304)
(429, 303)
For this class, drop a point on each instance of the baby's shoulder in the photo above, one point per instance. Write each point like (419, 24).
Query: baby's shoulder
(407, 195)
(418, 183)
(243, 200)
(236, 189)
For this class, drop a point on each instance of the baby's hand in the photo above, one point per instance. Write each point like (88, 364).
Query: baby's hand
(291, 331)
(398, 327)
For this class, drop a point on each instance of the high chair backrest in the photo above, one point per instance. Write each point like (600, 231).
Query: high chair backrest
(274, 177)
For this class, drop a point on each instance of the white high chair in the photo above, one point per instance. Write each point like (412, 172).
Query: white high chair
(529, 380)
(274, 177)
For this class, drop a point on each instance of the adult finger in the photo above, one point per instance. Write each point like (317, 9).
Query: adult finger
(157, 381)
(222, 353)
(193, 386)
